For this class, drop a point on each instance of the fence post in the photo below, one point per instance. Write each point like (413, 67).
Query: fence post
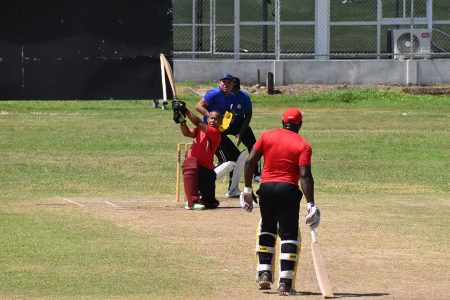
(412, 31)
(265, 13)
(194, 30)
(212, 21)
(277, 30)
(379, 19)
(199, 23)
(430, 14)
(322, 26)
(237, 26)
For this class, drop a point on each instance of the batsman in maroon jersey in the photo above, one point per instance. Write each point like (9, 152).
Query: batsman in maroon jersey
(198, 167)
(287, 159)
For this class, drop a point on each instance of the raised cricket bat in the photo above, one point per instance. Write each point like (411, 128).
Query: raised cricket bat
(319, 266)
(169, 74)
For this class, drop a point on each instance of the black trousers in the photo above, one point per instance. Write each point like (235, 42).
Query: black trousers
(207, 184)
(279, 204)
(228, 151)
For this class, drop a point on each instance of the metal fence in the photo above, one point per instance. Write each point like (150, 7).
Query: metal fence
(307, 29)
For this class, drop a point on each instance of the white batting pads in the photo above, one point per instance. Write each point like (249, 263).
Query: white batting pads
(224, 168)
(312, 217)
(238, 170)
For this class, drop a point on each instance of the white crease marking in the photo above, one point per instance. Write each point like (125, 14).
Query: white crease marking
(68, 200)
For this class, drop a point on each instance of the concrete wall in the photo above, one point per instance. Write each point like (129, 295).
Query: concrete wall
(389, 72)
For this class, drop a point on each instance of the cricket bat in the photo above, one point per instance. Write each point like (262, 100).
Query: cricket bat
(319, 266)
(169, 74)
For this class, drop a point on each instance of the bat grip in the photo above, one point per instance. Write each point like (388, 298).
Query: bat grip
(313, 235)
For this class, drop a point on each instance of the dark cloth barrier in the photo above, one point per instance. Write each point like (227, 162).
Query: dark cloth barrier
(83, 49)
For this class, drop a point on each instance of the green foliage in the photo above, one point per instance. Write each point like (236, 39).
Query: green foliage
(369, 97)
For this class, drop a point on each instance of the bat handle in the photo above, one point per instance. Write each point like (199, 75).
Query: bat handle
(313, 235)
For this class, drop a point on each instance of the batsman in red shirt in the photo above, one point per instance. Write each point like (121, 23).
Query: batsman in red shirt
(287, 159)
(198, 168)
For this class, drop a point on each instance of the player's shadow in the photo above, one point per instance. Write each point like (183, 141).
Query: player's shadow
(229, 207)
(336, 295)
(342, 295)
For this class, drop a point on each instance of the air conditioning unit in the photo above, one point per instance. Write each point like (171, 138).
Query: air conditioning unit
(402, 46)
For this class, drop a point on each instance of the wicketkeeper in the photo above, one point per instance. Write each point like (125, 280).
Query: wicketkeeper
(222, 99)
(198, 167)
(240, 128)
(287, 159)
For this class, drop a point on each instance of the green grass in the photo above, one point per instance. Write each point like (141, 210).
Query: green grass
(366, 144)
(61, 255)
(126, 147)
(84, 147)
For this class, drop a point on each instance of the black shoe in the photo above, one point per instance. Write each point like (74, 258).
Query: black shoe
(264, 280)
(284, 289)
(210, 205)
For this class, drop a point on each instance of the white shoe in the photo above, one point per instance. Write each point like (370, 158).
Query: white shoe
(195, 206)
(257, 179)
(233, 194)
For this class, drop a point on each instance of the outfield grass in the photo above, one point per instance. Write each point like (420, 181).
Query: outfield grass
(384, 155)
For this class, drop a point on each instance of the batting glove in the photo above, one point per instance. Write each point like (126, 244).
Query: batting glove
(178, 117)
(246, 199)
(180, 106)
(254, 198)
(312, 217)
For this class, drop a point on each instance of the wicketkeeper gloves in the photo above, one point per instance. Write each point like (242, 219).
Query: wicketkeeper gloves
(312, 217)
(226, 121)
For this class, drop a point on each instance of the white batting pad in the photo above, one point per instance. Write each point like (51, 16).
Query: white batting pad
(238, 170)
(224, 168)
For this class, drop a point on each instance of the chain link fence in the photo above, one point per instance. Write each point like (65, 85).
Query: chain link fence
(307, 29)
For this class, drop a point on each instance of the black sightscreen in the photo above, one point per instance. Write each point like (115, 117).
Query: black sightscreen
(97, 49)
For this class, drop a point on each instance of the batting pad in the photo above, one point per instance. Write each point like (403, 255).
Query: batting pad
(238, 170)
(224, 168)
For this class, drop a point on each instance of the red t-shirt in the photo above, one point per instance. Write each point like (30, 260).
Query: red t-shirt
(284, 151)
(204, 146)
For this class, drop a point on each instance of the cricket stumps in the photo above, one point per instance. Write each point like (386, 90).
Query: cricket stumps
(182, 152)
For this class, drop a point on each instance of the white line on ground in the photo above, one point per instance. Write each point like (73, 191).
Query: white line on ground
(112, 204)
(68, 200)
(144, 201)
